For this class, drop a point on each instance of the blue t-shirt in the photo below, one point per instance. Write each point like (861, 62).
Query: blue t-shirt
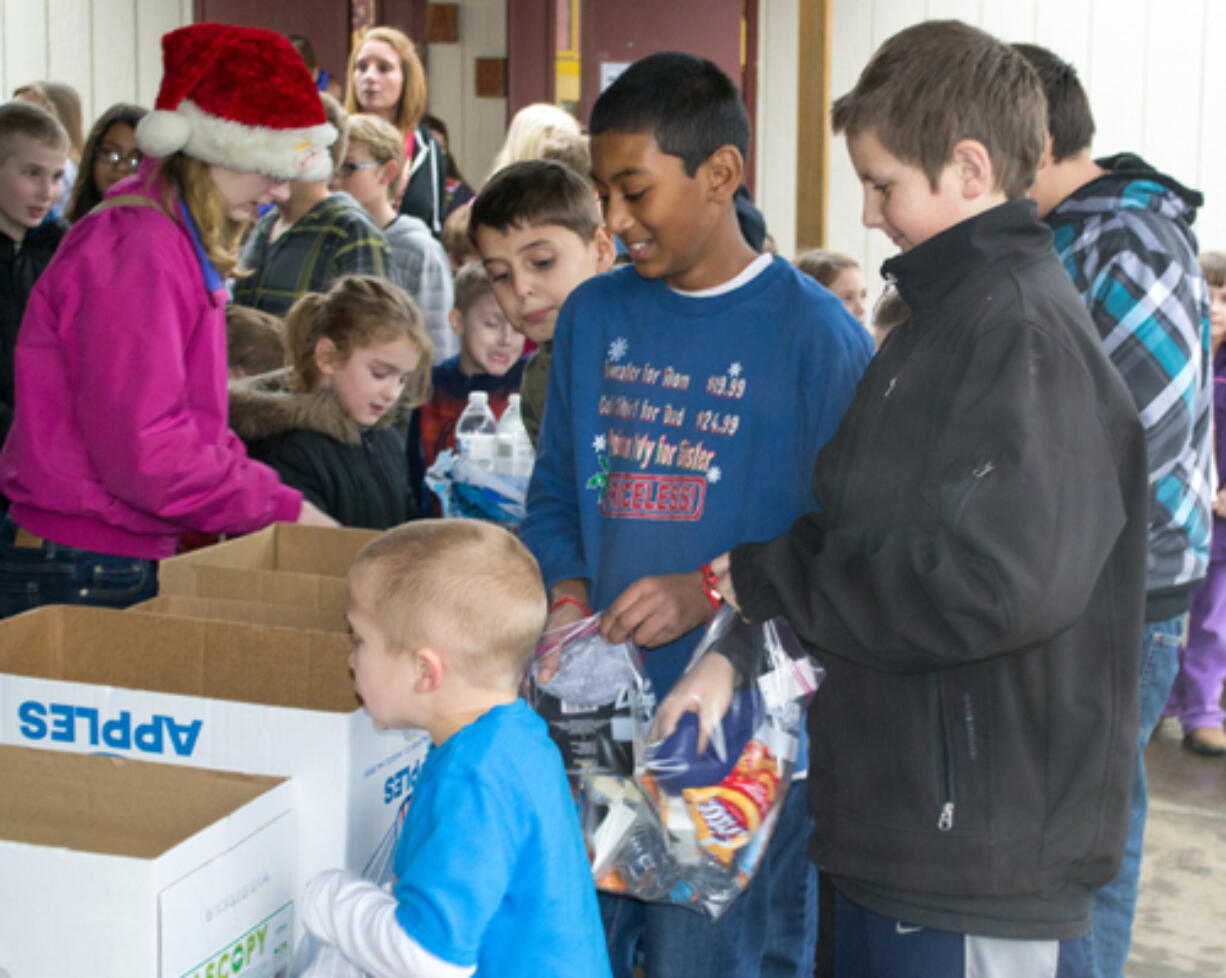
(491, 870)
(679, 426)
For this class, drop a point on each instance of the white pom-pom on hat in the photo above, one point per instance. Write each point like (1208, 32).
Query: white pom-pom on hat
(161, 133)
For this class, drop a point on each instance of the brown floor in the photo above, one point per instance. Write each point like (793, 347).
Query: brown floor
(1180, 927)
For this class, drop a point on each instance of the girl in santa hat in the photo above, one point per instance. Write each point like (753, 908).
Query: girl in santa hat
(120, 442)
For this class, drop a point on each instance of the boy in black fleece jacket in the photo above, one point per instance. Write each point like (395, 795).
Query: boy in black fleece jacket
(974, 579)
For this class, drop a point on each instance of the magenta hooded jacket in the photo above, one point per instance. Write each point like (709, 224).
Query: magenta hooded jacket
(120, 442)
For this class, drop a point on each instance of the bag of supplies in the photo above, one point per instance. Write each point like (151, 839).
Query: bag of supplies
(663, 821)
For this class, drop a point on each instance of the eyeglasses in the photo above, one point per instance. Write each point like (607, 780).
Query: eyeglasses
(115, 158)
(348, 169)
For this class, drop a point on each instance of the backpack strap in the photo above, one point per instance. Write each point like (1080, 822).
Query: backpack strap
(129, 200)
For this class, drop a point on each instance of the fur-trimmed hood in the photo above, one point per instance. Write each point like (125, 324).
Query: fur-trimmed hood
(265, 405)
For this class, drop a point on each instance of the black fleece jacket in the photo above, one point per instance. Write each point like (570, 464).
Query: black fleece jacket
(20, 266)
(358, 476)
(974, 586)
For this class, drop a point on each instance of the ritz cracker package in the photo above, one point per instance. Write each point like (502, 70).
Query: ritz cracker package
(662, 820)
(234, 696)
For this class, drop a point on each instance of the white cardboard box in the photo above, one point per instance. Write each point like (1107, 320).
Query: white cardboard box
(115, 867)
(234, 696)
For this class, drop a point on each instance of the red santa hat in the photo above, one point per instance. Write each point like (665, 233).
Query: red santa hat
(238, 97)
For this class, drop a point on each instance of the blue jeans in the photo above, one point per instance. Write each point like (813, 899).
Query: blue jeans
(870, 945)
(769, 931)
(1116, 902)
(50, 573)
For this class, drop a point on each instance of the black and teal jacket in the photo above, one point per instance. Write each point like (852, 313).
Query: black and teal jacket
(1126, 239)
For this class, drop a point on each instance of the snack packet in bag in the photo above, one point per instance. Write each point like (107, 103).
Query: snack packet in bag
(315, 959)
(719, 806)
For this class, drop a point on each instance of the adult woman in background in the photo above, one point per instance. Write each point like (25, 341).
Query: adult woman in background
(386, 79)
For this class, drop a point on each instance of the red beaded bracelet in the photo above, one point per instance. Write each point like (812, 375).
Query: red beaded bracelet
(567, 599)
(710, 586)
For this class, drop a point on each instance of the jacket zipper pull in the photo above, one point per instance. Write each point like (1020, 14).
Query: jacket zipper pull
(946, 821)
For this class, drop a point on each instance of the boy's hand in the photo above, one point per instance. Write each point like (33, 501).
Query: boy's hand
(706, 690)
(656, 610)
(562, 613)
(722, 566)
(1219, 503)
(312, 515)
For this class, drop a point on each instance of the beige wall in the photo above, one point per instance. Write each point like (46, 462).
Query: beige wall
(1153, 70)
(476, 124)
(108, 50)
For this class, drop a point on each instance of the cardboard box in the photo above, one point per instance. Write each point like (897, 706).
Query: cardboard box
(251, 612)
(287, 564)
(213, 694)
(114, 867)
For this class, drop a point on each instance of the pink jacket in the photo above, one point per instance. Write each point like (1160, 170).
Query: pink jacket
(120, 441)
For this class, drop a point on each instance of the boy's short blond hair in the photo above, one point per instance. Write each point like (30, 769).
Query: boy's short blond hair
(381, 139)
(932, 85)
(18, 118)
(573, 149)
(454, 238)
(465, 588)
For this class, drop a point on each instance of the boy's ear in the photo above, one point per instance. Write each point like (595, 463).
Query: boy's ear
(1048, 158)
(973, 165)
(430, 668)
(327, 358)
(388, 172)
(456, 320)
(606, 250)
(725, 169)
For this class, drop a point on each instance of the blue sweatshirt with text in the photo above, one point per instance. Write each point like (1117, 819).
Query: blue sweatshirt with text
(678, 426)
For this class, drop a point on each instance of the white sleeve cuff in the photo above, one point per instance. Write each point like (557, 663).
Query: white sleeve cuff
(359, 919)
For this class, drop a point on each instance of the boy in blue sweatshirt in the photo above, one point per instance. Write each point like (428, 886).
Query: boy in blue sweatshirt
(688, 398)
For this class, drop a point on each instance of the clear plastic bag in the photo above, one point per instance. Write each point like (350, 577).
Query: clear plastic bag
(464, 488)
(315, 959)
(663, 822)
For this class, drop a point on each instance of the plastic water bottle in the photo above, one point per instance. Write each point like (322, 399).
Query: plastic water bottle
(475, 432)
(515, 454)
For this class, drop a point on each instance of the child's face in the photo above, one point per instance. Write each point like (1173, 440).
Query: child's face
(120, 140)
(243, 193)
(383, 677)
(663, 217)
(371, 380)
(1217, 315)
(534, 269)
(361, 176)
(898, 199)
(849, 286)
(488, 342)
(29, 184)
(378, 79)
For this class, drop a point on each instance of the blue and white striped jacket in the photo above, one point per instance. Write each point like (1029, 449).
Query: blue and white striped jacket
(1126, 239)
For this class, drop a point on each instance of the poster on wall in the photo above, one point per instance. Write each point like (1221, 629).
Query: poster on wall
(609, 70)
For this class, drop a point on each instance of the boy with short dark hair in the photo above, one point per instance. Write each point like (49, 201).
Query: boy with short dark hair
(489, 360)
(973, 581)
(310, 240)
(33, 148)
(1124, 233)
(538, 231)
(687, 402)
(490, 871)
